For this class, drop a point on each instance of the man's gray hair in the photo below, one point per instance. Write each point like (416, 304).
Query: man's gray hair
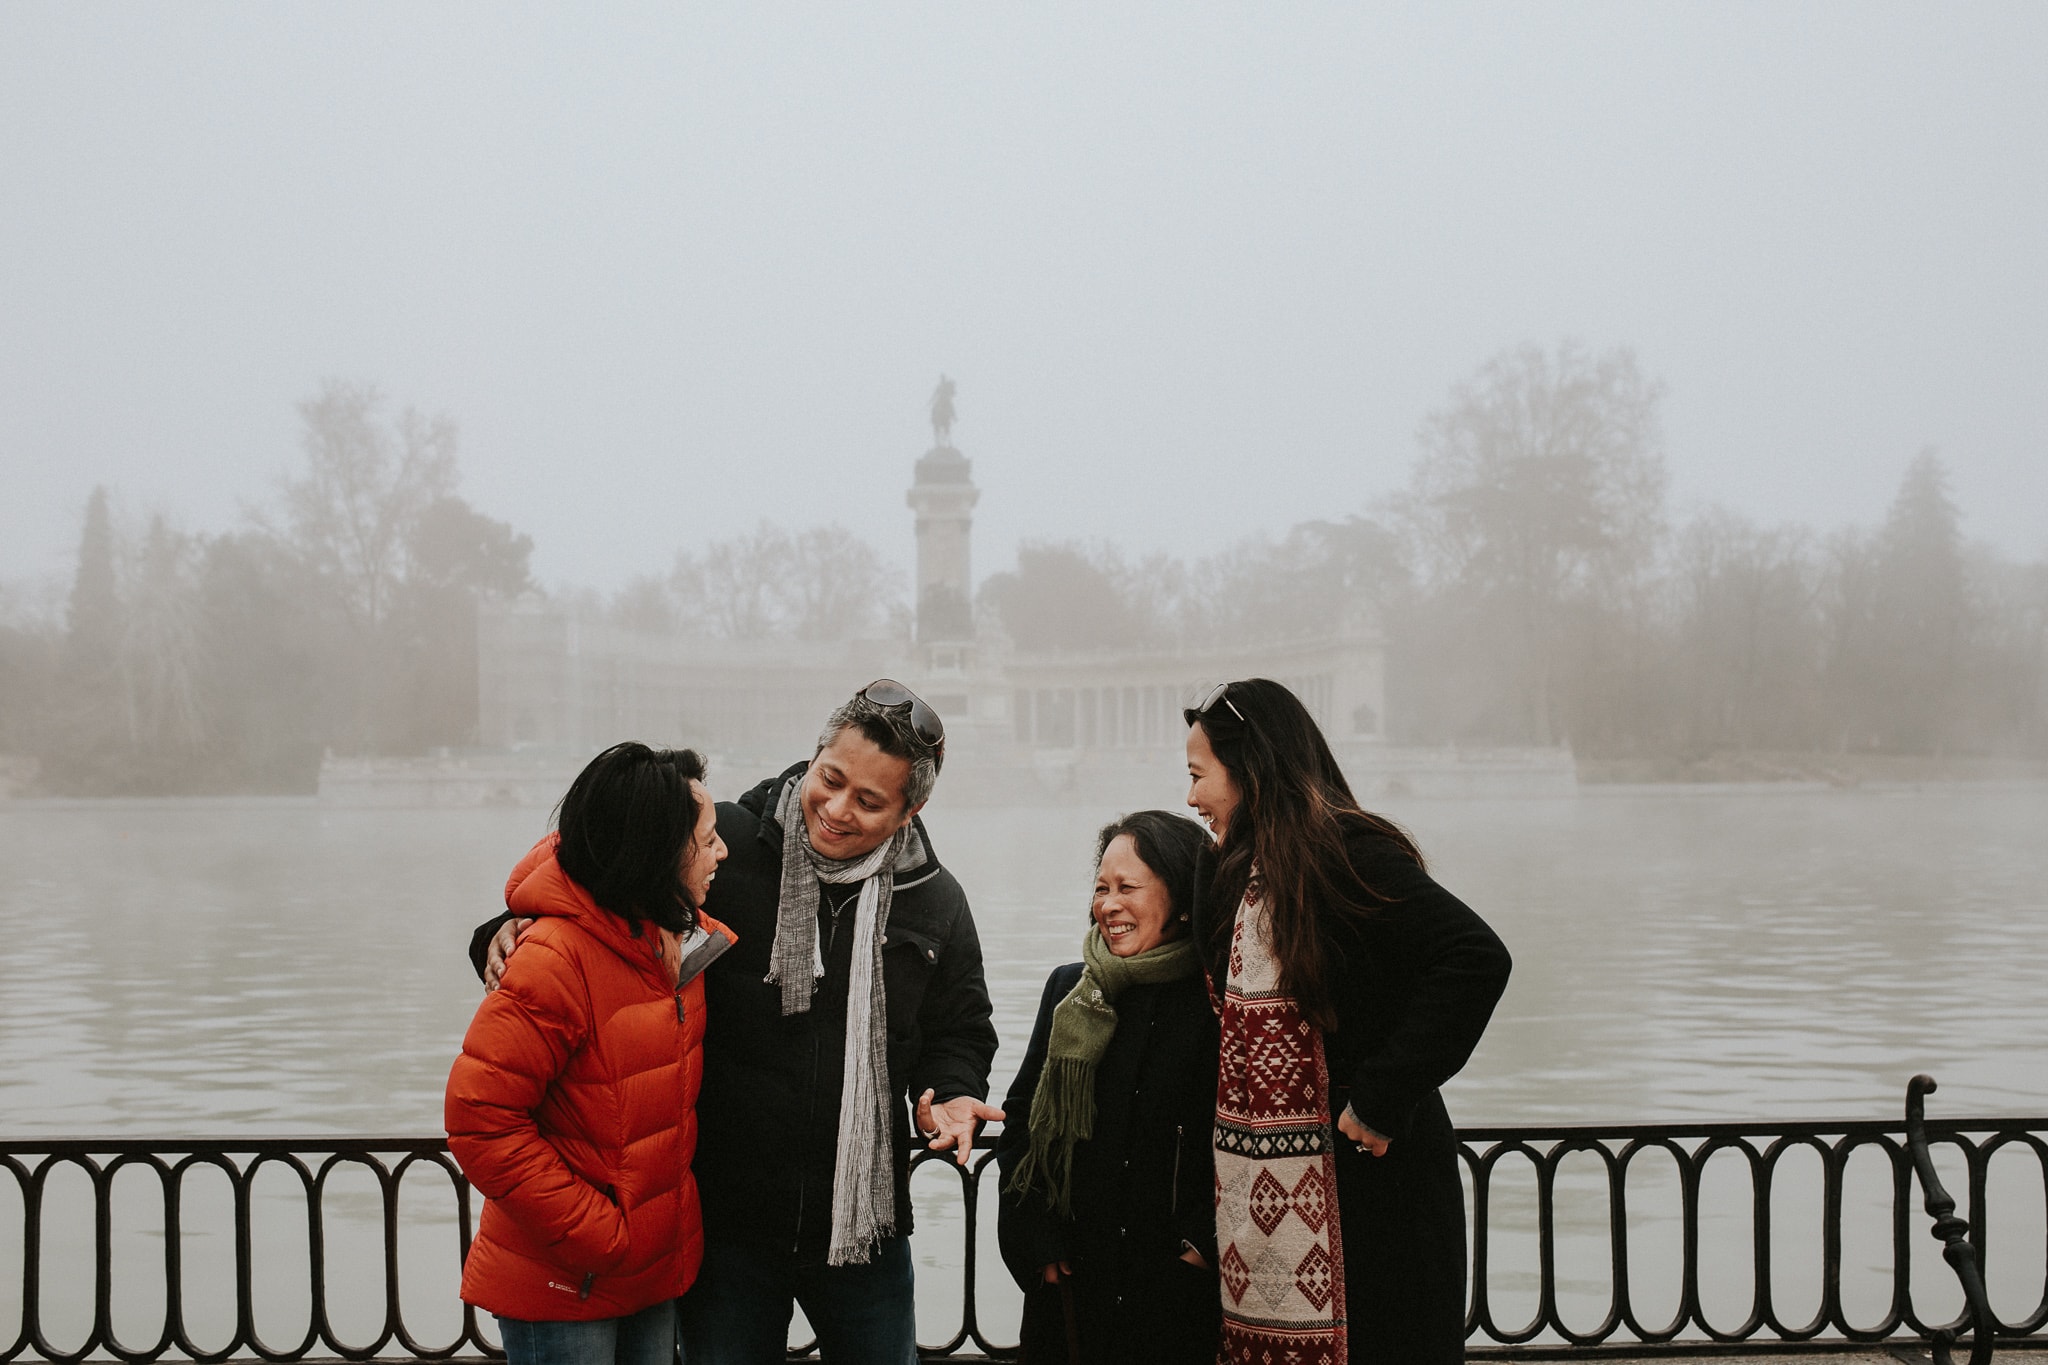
(890, 731)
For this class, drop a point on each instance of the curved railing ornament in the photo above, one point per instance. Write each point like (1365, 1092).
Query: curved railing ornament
(1952, 1232)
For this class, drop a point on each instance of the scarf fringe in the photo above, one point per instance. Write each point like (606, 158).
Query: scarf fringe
(1067, 1086)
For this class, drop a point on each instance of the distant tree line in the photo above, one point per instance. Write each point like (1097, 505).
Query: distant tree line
(1533, 589)
(818, 584)
(341, 618)
(1529, 580)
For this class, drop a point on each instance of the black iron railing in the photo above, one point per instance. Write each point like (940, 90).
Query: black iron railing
(1761, 1151)
(312, 1163)
(71, 1253)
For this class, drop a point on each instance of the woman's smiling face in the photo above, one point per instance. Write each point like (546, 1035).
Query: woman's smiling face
(1211, 789)
(1132, 908)
(705, 851)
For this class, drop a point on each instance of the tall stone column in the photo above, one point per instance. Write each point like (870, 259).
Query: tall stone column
(943, 497)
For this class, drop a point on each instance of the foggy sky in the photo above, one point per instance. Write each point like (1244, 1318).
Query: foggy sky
(1198, 271)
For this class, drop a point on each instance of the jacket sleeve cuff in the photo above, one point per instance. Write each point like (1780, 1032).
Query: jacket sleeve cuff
(1389, 1120)
(1201, 1236)
(480, 941)
(1375, 1132)
(947, 1084)
(1038, 1246)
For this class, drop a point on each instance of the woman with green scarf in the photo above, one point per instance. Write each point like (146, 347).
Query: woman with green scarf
(1107, 1215)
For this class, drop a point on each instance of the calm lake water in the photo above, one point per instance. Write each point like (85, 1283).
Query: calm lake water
(195, 967)
(185, 967)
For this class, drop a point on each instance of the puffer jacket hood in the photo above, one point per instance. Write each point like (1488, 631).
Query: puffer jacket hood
(572, 1109)
(539, 889)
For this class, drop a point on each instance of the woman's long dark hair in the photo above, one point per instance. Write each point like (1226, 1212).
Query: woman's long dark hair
(1171, 845)
(625, 824)
(1294, 809)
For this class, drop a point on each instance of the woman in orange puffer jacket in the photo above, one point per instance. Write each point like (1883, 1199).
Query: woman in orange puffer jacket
(573, 1105)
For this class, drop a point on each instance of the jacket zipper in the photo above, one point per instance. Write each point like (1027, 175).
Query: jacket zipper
(611, 1194)
(1173, 1200)
(796, 1233)
(796, 1236)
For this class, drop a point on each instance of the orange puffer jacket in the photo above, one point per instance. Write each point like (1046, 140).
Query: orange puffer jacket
(573, 1110)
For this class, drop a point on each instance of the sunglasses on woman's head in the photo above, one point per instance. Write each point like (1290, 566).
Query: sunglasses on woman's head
(1221, 693)
(886, 694)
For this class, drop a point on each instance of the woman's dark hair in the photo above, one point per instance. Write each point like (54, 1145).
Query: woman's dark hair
(625, 823)
(1294, 809)
(1171, 845)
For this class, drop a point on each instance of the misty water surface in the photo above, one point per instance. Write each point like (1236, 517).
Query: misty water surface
(279, 967)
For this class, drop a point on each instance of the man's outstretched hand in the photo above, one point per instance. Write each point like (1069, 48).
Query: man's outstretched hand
(951, 1124)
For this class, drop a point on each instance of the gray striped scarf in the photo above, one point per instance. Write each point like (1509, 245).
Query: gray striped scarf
(863, 1168)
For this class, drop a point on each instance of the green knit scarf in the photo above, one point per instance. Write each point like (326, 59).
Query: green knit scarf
(1063, 1108)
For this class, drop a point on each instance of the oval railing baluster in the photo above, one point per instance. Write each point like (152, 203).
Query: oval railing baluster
(1952, 1232)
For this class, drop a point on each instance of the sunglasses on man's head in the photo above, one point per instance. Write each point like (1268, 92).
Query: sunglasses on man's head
(1221, 692)
(886, 694)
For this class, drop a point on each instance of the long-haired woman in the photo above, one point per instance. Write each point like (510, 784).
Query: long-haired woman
(1351, 988)
(573, 1105)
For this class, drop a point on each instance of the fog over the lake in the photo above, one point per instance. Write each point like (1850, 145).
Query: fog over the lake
(1199, 272)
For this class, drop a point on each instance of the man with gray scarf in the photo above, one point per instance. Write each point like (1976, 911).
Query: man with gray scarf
(852, 1008)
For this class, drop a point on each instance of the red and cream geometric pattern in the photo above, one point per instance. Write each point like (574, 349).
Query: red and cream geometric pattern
(1281, 1256)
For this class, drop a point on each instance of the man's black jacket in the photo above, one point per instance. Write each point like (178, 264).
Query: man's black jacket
(768, 1118)
(768, 1114)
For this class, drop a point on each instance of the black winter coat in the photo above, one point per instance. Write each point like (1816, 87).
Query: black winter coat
(1417, 981)
(768, 1113)
(1142, 1185)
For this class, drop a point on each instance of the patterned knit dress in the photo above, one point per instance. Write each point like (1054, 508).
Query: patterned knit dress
(1280, 1249)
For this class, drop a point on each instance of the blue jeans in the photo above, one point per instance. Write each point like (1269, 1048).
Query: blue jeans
(738, 1311)
(647, 1337)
